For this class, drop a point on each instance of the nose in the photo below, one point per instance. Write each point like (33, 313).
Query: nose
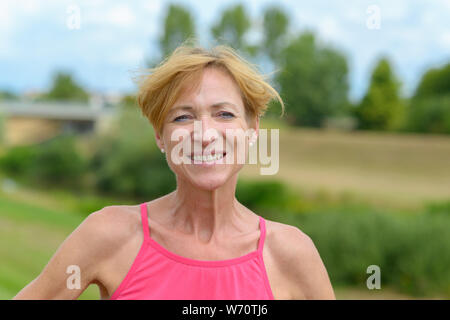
(204, 131)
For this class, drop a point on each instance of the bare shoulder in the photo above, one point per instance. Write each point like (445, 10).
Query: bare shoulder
(298, 259)
(288, 243)
(112, 225)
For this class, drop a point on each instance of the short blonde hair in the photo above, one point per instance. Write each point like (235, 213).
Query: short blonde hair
(161, 86)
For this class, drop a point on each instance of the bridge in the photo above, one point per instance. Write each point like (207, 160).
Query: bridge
(27, 122)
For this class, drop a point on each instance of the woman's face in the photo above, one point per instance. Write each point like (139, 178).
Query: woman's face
(217, 106)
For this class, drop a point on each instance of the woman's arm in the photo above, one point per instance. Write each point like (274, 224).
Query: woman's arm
(310, 278)
(299, 263)
(83, 251)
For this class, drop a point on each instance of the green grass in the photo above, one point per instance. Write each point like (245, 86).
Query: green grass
(29, 236)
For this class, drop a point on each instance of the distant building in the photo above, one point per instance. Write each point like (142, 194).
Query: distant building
(26, 122)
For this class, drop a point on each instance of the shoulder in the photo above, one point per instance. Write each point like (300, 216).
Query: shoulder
(106, 231)
(297, 257)
(112, 224)
(288, 242)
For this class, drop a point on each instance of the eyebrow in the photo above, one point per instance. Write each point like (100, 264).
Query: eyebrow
(215, 105)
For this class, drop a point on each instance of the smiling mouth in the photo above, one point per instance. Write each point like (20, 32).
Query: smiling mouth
(208, 158)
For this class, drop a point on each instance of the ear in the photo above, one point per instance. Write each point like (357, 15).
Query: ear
(256, 128)
(159, 140)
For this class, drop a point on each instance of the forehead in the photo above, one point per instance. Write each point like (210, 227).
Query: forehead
(213, 86)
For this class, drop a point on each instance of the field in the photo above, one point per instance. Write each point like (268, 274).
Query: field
(392, 170)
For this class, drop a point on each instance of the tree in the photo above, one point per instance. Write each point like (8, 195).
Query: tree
(313, 81)
(64, 87)
(232, 29)
(434, 82)
(178, 27)
(275, 25)
(381, 108)
(429, 108)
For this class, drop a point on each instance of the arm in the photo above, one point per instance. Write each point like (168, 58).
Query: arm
(85, 248)
(309, 277)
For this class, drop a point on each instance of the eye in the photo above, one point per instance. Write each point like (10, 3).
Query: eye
(227, 115)
(178, 119)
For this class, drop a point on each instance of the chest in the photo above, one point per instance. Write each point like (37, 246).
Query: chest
(116, 269)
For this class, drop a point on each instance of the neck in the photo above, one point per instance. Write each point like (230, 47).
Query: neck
(204, 213)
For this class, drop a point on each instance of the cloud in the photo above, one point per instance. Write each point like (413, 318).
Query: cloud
(121, 16)
(116, 36)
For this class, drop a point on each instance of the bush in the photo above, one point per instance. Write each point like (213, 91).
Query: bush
(429, 114)
(438, 207)
(55, 162)
(269, 196)
(127, 162)
(18, 160)
(412, 251)
(58, 162)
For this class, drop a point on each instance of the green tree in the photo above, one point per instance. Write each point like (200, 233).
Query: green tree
(434, 82)
(64, 87)
(313, 80)
(232, 28)
(275, 25)
(178, 27)
(381, 108)
(429, 108)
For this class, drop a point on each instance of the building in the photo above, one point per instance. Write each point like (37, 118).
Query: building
(26, 122)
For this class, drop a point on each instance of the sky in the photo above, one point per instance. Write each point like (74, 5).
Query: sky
(113, 38)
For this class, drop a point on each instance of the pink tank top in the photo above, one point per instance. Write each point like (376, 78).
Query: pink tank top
(158, 274)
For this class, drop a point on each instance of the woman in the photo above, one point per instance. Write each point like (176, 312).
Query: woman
(197, 242)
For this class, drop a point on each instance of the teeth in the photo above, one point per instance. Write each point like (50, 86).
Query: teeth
(208, 158)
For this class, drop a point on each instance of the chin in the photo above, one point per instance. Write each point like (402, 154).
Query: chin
(208, 183)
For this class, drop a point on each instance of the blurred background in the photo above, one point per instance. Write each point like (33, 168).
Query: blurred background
(364, 143)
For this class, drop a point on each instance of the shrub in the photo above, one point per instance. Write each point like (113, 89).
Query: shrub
(58, 162)
(412, 251)
(127, 162)
(55, 162)
(268, 196)
(18, 160)
(429, 114)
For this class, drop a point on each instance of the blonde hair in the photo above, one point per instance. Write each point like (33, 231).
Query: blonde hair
(161, 86)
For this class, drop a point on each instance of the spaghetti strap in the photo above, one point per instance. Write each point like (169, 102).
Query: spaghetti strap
(144, 218)
(262, 236)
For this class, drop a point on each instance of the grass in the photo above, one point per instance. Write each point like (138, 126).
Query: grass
(29, 236)
(355, 293)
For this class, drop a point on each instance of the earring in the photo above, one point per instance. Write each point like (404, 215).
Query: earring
(252, 141)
